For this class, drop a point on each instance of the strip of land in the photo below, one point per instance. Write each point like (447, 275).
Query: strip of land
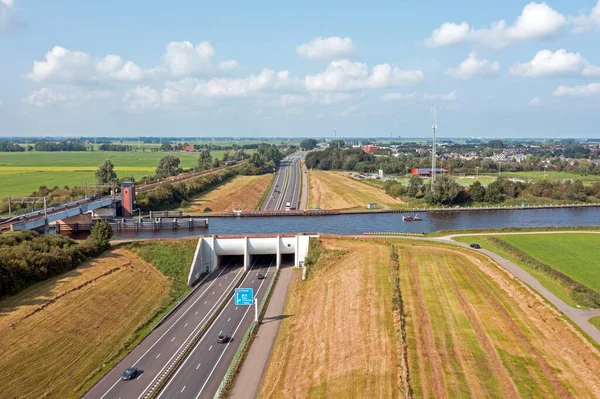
(336, 190)
(240, 193)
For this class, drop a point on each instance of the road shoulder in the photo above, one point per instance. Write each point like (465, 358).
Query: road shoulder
(248, 380)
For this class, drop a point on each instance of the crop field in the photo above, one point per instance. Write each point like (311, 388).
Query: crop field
(335, 190)
(240, 193)
(473, 331)
(23, 173)
(338, 339)
(58, 333)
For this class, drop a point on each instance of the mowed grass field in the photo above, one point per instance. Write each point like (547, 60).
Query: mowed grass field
(336, 190)
(574, 254)
(338, 337)
(52, 352)
(23, 173)
(240, 193)
(473, 331)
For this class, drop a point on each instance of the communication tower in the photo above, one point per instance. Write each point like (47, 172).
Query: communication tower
(434, 111)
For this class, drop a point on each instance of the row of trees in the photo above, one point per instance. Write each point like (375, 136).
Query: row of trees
(114, 147)
(7, 146)
(59, 146)
(27, 257)
(446, 191)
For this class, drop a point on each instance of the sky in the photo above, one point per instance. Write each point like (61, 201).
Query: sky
(300, 69)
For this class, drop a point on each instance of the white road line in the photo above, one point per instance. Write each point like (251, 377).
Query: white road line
(193, 331)
(252, 281)
(183, 389)
(165, 333)
(172, 339)
(210, 347)
(230, 338)
(205, 302)
(157, 356)
(196, 313)
(236, 308)
(185, 325)
(229, 319)
(213, 293)
(198, 366)
(197, 345)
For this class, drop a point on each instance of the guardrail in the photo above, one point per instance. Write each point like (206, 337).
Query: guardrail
(185, 350)
(231, 370)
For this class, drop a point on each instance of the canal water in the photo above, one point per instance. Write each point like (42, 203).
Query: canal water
(385, 222)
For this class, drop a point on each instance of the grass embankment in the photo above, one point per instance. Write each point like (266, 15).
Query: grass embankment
(566, 264)
(339, 337)
(336, 190)
(473, 331)
(595, 322)
(240, 193)
(61, 335)
(23, 173)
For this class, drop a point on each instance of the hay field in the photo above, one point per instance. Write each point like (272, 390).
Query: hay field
(336, 190)
(473, 331)
(56, 334)
(338, 339)
(240, 193)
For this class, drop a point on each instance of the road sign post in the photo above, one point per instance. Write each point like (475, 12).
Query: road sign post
(243, 296)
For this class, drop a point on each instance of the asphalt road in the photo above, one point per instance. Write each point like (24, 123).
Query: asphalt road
(286, 187)
(156, 350)
(203, 370)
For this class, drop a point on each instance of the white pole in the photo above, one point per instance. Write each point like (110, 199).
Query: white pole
(255, 310)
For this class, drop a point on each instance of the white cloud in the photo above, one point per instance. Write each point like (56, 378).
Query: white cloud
(537, 21)
(63, 65)
(7, 3)
(267, 80)
(474, 67)
(535, 102)
(326, 48)
(578, 91)
(344, 75)
(141, 98)
(558, 63)
(450, 96)
(447, 34)
(389, 97)
(348, 111)
(587, 22)
(183, 58)
(45, 96)
(333, 98)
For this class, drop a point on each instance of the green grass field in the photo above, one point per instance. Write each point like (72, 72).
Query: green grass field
(574, 254)
(23, 173)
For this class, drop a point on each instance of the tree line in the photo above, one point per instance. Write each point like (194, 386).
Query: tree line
(114, 147)
(7, 146)
(27, 257)
(59, 146)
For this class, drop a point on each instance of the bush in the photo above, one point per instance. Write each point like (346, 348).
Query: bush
(27, 257)
(101, 234)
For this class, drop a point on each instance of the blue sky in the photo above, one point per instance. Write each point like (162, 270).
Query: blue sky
(186, 68)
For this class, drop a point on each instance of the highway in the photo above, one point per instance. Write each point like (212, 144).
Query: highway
(202, 371)
(154, 353)
(286, 186)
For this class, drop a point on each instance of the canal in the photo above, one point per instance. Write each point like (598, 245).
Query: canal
(385, 222)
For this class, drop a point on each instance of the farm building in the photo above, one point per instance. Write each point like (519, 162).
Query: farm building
(427, 171)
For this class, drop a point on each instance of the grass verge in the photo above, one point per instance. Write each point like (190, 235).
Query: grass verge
(595, 322)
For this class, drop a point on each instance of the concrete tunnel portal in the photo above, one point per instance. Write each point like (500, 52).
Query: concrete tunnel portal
(214, 252)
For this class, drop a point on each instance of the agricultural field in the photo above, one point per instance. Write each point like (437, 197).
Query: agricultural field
(63, 323)
(473, 331)
(338, 340)
(587, 180)
(336, 190)
(574, 254)
(23, 173)
(240, 193)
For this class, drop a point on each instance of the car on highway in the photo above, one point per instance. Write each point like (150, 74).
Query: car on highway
(260, 276)
(222, 338)
(476, 246)
(129, 374)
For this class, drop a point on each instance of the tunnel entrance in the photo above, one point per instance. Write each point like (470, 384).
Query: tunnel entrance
(263, 261)
(230, 260)
(287, 260)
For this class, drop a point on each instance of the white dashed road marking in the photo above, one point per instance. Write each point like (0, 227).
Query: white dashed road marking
(183, 389)
(172, 339)
(157, 356)
(198, 366)
(210, 347)
(185, 325)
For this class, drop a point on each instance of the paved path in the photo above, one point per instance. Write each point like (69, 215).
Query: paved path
(249, 377)
(304, 194)
(578, 316)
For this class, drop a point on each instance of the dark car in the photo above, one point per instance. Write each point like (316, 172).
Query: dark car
(260, 276)
(476, 246)
(222, 338)
(129, 374)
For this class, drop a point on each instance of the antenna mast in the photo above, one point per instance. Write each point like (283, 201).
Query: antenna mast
(434, 111)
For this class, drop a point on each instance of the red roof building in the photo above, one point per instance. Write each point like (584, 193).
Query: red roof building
(371, 148)
(427, 171)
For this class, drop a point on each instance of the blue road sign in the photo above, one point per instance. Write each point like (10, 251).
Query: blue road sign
(244, 296)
